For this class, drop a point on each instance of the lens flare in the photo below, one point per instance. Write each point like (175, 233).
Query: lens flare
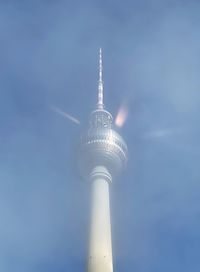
(64, 114)
(159, 133)
(163, 133)
(121, 115)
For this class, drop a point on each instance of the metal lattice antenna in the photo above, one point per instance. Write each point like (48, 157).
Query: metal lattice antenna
(100, 104)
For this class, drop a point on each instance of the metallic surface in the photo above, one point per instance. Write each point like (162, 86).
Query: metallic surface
(101, 145)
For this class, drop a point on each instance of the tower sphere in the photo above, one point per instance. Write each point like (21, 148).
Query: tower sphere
(101, 145)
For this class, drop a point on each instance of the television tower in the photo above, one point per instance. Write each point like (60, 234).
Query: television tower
(102, 156)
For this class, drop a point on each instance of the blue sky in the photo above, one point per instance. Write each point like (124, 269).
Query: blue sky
(49, 56)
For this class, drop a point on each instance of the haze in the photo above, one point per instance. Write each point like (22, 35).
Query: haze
(49, 56)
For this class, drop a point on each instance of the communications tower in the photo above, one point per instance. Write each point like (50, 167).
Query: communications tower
(102, 156)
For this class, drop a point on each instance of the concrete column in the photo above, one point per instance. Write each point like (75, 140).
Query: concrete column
(100, 245)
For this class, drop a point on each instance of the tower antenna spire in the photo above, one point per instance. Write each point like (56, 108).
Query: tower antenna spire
(100, 104)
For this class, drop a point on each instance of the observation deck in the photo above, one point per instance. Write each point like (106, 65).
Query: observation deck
(102, 146)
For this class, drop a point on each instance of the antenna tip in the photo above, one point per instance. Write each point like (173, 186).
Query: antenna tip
(100, 53)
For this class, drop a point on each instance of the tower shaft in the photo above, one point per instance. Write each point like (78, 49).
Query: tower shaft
(100, 246)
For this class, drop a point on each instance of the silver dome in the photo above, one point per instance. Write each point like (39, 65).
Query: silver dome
(101, 145)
